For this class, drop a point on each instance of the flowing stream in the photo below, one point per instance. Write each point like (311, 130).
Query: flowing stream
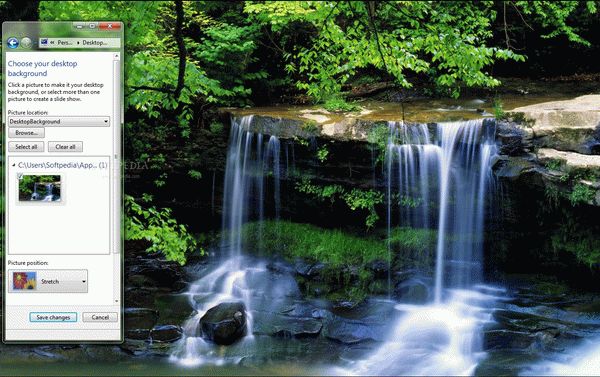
(249, 161)
(583, 360)
(439, 177)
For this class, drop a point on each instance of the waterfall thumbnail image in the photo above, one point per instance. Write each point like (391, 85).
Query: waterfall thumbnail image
(39, 188)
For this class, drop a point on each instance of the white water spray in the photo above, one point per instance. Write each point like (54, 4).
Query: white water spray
(249, 162)
(451, 172)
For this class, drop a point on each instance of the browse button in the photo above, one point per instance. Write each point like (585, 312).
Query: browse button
(100, 317)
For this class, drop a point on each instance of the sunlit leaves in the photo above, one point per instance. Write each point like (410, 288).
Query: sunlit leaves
(444, 40)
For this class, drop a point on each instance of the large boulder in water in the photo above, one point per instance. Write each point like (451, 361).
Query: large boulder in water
(413, 290)
(224, 323)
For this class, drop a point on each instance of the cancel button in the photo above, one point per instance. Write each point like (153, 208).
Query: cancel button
(100, 317)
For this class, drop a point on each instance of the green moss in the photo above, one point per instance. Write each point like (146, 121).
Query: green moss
(336, 248)
(581, 193)
(520, 118)
(577, 238)
(585, 247)
(379, 136)
(554, 164)
(550, 287)
(339, 104)
(413, 247)
(216, 127)
(310, 126)
(294, 240)
(345, 257)
(412, 238)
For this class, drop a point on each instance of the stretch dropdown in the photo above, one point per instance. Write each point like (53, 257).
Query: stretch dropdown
(52, 281)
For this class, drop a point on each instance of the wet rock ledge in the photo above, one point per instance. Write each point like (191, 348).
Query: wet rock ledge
(554, 145)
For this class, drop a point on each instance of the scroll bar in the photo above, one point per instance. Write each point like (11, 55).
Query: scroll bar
(116, 179)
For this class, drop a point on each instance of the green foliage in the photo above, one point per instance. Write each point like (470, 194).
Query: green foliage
(415, 239)
(554, 164)
(310, 126)
(361, 199)
(339, 104)
(407, 201)
(27, 183)
(581, 241)
(552, 196)
(354, 199)
(158, 226)
(301, 141)
(445, 40)
(581, 193)
(344, 256)
(216, 127)
(219, 55)
(194, 174)
(379, 136)
(226, 51)
(319, 192)
(292, 240)
(499, 112)
(322, 153)
(553, 16)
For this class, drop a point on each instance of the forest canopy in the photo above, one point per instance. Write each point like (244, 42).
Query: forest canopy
(218, 52)
(186, 59)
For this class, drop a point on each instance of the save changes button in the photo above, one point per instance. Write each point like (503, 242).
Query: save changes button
(52, 317)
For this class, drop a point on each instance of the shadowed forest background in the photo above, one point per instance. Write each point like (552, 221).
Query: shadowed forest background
(329, 126)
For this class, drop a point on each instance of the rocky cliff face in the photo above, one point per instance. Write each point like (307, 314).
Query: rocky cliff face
(554, 145)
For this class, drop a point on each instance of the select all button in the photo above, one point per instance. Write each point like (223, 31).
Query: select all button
(65, 146)
(52, 317)
(25, 146)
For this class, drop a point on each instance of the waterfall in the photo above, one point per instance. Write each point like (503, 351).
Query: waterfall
(35, 195)
(251, 165)
(439, 178)
(49, 193)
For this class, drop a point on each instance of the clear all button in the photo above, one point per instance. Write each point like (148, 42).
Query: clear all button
(65, 146)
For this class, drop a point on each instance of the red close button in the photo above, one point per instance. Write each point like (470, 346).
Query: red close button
(109, 25)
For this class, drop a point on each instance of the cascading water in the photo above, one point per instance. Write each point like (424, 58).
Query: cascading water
(584, 360)
(48, 188)
(448, 172)
(35, 195)
(49, 193)
(250, 162)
